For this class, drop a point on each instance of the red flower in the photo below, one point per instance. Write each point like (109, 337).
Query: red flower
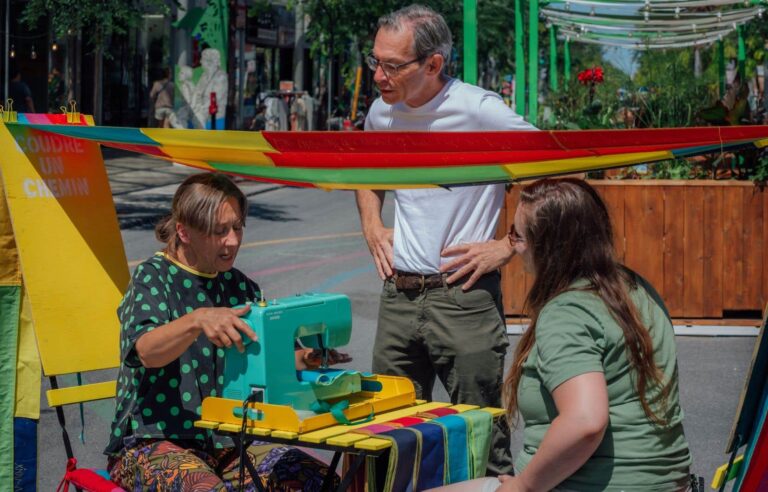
(597, 75)
(591, 76)
(585, 77)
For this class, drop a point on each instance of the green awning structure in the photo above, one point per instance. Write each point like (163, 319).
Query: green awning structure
(629, 24)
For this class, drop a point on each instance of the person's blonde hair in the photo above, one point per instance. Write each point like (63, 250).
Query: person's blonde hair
(196, 203)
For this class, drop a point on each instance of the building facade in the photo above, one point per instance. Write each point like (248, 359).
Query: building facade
(60, 70)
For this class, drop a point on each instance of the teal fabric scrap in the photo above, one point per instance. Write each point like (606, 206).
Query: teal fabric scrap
(326, 377)
(456, 447)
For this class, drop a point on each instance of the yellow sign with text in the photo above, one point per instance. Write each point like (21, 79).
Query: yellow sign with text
(72, 257)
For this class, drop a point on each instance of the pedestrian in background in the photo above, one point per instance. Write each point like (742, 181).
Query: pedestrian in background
(20, 92)
(161, 96)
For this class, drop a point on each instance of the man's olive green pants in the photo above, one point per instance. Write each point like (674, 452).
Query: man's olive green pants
(458, 336)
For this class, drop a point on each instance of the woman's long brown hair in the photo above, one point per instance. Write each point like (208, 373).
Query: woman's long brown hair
(569, 234)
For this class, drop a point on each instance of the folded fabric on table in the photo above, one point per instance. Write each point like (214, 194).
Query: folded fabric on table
(416, 460)
(456, 448)
(389, 425)
(431, 469)
(374, 429)
(406, 421)
(428, 454)
(397, 469)
(437, 412)
(479, 425)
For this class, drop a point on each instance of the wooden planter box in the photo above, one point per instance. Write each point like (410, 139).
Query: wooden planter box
(702, 244)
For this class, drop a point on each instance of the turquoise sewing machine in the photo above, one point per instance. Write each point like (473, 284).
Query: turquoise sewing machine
(265, 398)
(285, 400)
(267, 368)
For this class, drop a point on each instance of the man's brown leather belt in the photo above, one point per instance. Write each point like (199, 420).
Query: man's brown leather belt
(416, 281)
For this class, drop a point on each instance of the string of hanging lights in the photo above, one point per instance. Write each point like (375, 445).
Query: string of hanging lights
(645, 44)
(682, 19)
(648, 24)
(654, 4)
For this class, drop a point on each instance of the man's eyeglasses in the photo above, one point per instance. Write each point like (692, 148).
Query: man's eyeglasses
(390, 69)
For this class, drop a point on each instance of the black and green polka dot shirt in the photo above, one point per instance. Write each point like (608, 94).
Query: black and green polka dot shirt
(164, 402)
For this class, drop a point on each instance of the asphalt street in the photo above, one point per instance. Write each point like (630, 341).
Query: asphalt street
(299, 240)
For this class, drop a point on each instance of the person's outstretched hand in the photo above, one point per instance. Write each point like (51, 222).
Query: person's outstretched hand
(380, 240)
(223, 326)
(476, 259)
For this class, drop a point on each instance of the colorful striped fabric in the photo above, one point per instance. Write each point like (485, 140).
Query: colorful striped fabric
(432, 472)
(399, 467)
(457, 448)
(479, 428)
(391, 160)
(431, 453)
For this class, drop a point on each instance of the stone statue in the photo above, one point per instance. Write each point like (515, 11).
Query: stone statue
(196, 96)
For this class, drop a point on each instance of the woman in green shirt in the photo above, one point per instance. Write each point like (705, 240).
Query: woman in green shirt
(595, 375)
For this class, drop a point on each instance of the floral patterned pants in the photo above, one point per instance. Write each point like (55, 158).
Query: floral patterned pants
(172, 466)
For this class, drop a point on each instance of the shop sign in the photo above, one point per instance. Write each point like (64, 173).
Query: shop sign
(266, 35)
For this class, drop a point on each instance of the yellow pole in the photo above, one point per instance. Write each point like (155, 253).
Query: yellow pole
(357, 92)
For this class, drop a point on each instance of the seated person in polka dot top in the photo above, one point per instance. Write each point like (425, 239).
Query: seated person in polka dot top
(176, 319)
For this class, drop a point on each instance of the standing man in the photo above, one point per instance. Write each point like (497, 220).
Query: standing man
(440, 312)
(19, 91)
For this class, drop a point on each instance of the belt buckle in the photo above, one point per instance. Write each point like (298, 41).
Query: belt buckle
(422, 283)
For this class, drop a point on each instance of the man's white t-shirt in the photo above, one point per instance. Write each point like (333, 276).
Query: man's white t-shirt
(429, 220)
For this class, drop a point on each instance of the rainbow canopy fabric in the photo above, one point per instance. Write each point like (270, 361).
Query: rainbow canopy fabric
(392, 160)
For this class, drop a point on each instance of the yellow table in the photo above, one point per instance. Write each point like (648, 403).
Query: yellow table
(340, 439)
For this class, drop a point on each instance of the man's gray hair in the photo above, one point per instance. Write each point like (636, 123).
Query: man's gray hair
(430, 32)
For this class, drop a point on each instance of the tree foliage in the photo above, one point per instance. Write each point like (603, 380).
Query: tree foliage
(655, 65)
(755, 39)
(98, 20)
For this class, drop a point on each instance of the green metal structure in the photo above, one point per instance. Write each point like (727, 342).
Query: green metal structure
(470, 41)
(647, 25)
(533, 60)
(519, 60)
(552, 58)
(643, 25)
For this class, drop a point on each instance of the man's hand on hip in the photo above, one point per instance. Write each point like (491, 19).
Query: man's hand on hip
(380, 241)
(476, 259)
(378, 237)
